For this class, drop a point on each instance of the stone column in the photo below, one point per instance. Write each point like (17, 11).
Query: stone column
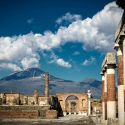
(89, 102)
(46, 91)
(111, 91)
(120, 87)
(36, 95)
(105, 91)
(124, 72)
(103, 95)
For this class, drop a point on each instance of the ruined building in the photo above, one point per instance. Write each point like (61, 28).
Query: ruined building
(109, 105)
(16, 105)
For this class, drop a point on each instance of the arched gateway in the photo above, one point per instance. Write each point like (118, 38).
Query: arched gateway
(73, 103)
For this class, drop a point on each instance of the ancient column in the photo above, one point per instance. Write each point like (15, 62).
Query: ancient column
(111, 91)
(89, 102)
(124, 73)
(105, 91)
(46, 91)
(36, 95)
(120, 85)
(103, 97)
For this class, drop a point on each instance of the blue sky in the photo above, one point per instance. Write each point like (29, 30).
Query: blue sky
(67, 38)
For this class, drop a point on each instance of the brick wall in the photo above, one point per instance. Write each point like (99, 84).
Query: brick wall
(51, 114)
(23, 111)
(19, 114)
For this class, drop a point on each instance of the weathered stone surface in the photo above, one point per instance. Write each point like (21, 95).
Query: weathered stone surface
(109, 60)
(19, 107)
(81, 102)
(30, 111)
(51, 114)
(120, 70)
(19, 114)
(103, 94)
(111, 90)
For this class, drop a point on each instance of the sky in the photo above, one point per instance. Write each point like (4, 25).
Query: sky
(67, 38)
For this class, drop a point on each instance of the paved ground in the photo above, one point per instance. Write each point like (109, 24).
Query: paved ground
(68, 120)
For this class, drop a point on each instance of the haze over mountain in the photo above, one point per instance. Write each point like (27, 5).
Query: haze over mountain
(27, 81)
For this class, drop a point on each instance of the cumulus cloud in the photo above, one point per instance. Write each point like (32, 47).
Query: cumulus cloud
(96, 33)
(60, 61)
(30, 62)
(10, 66)
(19, 51)
(89, 61)
(68, 17)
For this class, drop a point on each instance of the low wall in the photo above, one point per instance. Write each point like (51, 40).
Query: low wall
(19, 114)
(19, 111)
(51, 114)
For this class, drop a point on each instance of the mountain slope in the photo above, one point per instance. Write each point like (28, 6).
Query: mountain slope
(28, 80)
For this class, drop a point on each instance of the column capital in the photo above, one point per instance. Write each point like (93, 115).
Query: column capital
(116, 46)
(111, 66)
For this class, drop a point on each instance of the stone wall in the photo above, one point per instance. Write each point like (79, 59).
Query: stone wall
(32, 114)
(81, 103)
(23, 111)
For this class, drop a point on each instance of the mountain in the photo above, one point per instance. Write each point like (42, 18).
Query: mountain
(28, 73)
(27, 81)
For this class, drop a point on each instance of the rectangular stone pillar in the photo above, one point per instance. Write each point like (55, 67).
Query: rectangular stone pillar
(105, 92)
(103, 100)
(120, 88)
(46, 91)
(111, 92)
(124, 73)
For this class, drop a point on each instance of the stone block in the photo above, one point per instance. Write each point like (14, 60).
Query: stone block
(51, 114)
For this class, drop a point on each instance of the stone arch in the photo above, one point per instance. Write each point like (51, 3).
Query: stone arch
(71, 104)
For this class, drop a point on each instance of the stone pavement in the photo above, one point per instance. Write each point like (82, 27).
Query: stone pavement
(67, 120)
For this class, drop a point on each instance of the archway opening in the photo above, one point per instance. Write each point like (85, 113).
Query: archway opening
(72, 104)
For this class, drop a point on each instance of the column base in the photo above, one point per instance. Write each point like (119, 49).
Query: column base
(121, 104)
(64, 113)
(103, 111)
(111, 109)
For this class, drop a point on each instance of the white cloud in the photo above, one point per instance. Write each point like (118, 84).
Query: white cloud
(30, 62)
(17, 49)
(96, 33)
(68, 17)
(89, 61)
(59, 61)
(10, 66)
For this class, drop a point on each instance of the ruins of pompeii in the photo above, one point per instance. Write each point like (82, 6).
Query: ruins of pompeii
(75, 108)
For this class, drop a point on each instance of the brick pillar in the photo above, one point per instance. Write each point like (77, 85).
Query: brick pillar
(105, 92)
(103, 97)
(46, 91)
(111, 92)
(120, 88)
